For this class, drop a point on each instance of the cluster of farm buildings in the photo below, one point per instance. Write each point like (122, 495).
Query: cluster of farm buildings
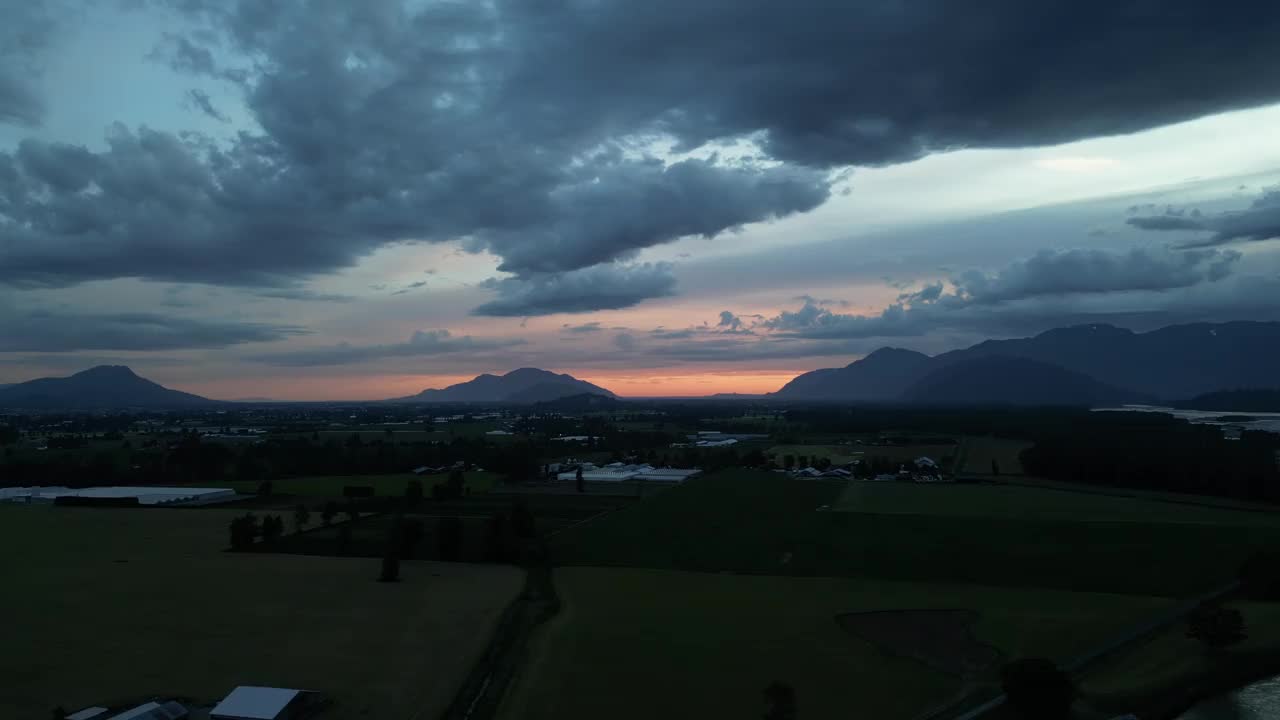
(247, 702)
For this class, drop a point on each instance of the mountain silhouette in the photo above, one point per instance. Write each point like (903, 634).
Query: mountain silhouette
(526, 386)
(1001, 380)
(1172, 363)
(881, 376)
(98, 388)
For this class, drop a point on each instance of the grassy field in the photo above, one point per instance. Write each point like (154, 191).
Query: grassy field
(118, 604)
(1023, 502)
(978, 452)
(552, 513)
(648, 644)
(1167, 662)
(383, 485)
(764, 523)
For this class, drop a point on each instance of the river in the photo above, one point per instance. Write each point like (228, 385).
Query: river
(1259, 701)
(1269, 422)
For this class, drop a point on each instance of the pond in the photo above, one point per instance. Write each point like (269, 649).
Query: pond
(1259, 701)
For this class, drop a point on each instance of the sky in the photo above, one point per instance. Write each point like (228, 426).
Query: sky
(328, 200)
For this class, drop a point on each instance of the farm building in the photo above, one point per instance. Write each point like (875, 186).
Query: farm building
(121, 494)
(154, 711)
(251, 702)
(617, 472)
(89, 713)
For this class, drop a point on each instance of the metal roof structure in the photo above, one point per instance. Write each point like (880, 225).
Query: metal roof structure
(251, 702)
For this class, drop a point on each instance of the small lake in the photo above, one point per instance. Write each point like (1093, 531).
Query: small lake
(1259, 701)
(1269, 422)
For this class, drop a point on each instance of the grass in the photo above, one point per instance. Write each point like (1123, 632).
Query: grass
(764, 523)
(369, 535)
(1168, 663)
(1023, 502)
(383, 485)
(978, 452)
(649, 643)
(120, 604)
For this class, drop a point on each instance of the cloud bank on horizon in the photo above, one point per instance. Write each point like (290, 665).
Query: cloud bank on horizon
(567, 144)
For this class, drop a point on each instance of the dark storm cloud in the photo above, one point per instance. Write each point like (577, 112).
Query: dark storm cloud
(1260, 221)
(26, 29)
(57, 331)
(977, 297)
(422, 344)
(603, 287)
(590, 327)
(1091, 271)
(302, 294)
(201, 101)
(523, 127)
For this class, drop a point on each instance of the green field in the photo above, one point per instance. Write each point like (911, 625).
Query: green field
(1162, 666)
(978, 452)
(120, 604)
(656, 644)
(758, 522)
(1023, 502)
(383, 485)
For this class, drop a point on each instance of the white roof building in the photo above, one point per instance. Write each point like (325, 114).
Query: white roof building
(89, 713)
(251, 702)
(145, 495)
(154, 711)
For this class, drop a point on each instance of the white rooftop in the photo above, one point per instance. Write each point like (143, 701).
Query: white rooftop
(87, 714)
(252, 701)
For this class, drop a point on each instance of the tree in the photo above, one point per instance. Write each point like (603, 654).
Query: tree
(455, 484)
(522, 521)
(390, 567)
(301, 516)
(408, 535)
(1216, 627)
(352, 513)
(265, 489)
(344, 539)
(449, 538)
(272, 528)
(328, 513)
(995, 466)
(788, 461)
(1037, 689)
(779, 702)
(243, 530)
(497, 541)
(577, 479)
(413, 493)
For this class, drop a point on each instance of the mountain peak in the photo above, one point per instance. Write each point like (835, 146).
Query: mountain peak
(522, 385)
(107, 372)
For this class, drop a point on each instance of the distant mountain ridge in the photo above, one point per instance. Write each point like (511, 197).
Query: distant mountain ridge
(523, 386)
(1262, 400)
(1171, 363)
(1014, 381)
(105, 387)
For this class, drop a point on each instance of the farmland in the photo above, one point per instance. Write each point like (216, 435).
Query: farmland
(762, 523)
(677, 644)
(118, 604)
(383, 485)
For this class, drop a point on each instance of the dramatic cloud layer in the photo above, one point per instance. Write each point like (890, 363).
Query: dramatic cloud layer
(603, 287)
(533, 129)
(49, 331)
(422, 344)
(1261, 221)
(977, 296)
